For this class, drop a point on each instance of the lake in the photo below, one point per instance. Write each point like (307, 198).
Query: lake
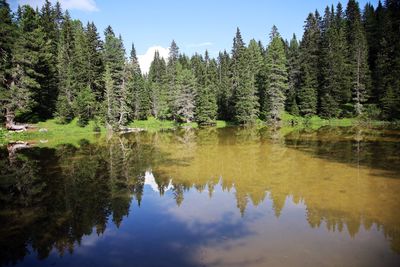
(210, 197)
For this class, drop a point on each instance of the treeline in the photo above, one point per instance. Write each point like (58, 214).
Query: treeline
(347, 64)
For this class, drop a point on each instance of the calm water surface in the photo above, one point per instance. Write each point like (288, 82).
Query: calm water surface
(227, 197)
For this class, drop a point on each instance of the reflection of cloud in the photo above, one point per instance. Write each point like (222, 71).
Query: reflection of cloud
(146, 59)
(150, 180)
(199, 45)
(85, 5)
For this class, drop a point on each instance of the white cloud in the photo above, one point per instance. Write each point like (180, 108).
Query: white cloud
(85, 5)
(146, 59)
(199, 45)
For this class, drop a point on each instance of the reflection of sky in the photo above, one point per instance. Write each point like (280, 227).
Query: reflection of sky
(206, 231)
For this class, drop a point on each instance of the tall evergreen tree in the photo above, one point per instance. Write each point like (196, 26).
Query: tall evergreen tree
(117, 90)
(8, 36)
(94, 59)
(171, 80)
(224, 90)
(140, 100)
(257, 66)
(16, 82)
(185, 100)
(335, 90)
(32, 58)
(206, 102)
(243, 83)
(277, 78)
(309, 57)
(358, 55)
(156, 79)
(65, 71)
(294, 78)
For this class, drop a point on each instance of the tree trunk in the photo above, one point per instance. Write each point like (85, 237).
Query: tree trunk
(10, 124)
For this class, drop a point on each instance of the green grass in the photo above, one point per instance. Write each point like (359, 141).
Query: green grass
(56, 134)
(72, 133)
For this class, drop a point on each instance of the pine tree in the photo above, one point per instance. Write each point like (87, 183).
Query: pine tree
(224, 90)
(84, 106)
(244, 92)
(65, 71)
(277, 78)
(171, 80)
(32, 61)
(158, 95)
(8, 34)
(309, 57)
(15, 82)
(335, 90)
(293, 66)
(140, 100)
(185, 100)
(95, 61)
(49, 83)
(117, 92)
(257, 67)
(206, 103)
(358, 55)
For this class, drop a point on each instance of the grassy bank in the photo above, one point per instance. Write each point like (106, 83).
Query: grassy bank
(71, 133)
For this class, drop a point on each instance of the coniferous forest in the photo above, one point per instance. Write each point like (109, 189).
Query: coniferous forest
(346, 64)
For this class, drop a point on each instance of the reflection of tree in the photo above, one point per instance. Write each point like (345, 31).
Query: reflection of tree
(51, 198)
(256, 161)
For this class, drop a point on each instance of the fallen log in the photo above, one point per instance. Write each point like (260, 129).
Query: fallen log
(12, 126)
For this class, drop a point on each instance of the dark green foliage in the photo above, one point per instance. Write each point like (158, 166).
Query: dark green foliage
(65, 71)
(156, 82)
(294, 78)
(335, 71)
(139, 97)
(117, 90)
(245, 100)
(186, 93)
(277, 78)
(347, 62)
(84, 106)
(206, 101)
(224, 91)
(309, 58)
(358, 56)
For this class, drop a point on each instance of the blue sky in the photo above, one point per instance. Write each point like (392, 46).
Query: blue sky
(195, 25)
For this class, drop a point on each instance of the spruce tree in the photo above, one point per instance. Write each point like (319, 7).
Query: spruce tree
(94, 47)
(293, 65)
(186, 93)
(277, 78)
(66, 93)
(224, 90)
(117, 91)
(358, 55)
(140, 100)
(171, 80)
(257, 66)
(309, 58)
(8, 36)
(206, 102)
(156, 81)
(49, 83)
(335, 90)
(15, 82)
(245, 100)
(32, 62)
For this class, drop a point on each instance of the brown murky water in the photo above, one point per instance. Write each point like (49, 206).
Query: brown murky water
(213, 197)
